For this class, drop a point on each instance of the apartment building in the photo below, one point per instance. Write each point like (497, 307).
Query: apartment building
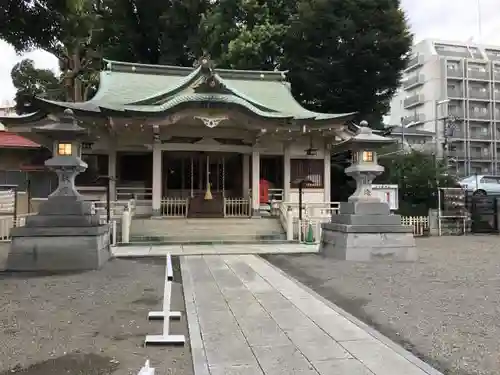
(454, 79)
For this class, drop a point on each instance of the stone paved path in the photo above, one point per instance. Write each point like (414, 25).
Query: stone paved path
(162, 250)
(246, 317)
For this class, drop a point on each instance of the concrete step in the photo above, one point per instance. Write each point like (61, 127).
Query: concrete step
(206, 231)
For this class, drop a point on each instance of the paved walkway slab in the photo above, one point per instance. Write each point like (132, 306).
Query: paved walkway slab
(246, 317)
(162, 250)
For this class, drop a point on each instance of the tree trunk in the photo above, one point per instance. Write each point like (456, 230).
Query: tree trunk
(77, 83)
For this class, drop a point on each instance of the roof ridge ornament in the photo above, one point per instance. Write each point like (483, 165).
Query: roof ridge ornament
(207, 65)
(211, 122)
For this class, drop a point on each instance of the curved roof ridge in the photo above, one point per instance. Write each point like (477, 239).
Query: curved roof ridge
(243, 96)
(186, 98)
(114, 66)
(123, 66)
(172, 91)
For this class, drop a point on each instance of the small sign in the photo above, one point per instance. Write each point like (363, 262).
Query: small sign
(387, 193)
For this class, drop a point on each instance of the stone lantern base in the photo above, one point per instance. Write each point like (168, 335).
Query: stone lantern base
(366, 231)
(64, 236)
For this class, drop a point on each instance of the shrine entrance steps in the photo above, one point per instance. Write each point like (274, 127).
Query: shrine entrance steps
(206, 231)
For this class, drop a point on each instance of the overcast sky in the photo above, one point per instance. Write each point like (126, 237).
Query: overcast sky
(456, 20)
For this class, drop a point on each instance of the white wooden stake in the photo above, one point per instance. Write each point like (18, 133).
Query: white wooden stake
(166, 338)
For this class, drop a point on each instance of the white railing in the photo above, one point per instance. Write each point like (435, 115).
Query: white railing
(236, 207)
(7, 223)
(276, 195)
(7, 202)
(174, 207)
(116, 208)
(313, 213)
(420, 224)
(135, 193)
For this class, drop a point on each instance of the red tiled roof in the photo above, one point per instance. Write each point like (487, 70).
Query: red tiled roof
(11, 140)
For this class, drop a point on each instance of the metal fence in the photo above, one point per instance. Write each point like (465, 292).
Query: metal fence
(39, 183)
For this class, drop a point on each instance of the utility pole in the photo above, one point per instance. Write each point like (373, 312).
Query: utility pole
(402, 133)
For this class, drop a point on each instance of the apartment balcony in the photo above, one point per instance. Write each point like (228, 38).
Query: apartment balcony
(415, 119)
(454, 73)
(480, 155)
(413, 101)
(480, 95)
(459, 154)
(478, 75)
(458, 133)
(456, 112)
(496, 73)
(456, 94)
(415, 61)
(479, 135)
(479, 115)
(414, 81)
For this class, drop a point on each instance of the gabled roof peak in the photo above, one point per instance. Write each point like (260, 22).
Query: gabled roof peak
(128, 67)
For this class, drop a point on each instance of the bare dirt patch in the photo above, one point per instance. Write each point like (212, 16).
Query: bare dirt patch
(88, 323)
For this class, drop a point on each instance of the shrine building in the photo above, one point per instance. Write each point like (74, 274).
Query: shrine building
(197, 137)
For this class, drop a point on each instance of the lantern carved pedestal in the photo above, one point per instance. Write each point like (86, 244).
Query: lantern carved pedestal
(65, 235)
(365, 229)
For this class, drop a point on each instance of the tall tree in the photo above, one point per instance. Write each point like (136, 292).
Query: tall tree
(247, 34)
(347, 55)
(152, 31)
(80, 32)
(65, 28)
(30, 81)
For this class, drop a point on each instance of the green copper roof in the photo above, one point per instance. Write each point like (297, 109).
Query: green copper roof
(128, 89)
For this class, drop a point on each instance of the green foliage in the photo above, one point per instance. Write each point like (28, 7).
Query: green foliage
(152, 31)
(342, 55)
(30, 81)
(418, 175)
(347, 55)
(79, 32)
(247, 34)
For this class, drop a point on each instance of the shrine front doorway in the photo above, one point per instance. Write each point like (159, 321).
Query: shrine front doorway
(204, 178)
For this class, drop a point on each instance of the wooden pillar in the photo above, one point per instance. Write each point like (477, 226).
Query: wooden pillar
(286, 173)
(255, 182)
(327, 174)
(157, 180)
(246, 175)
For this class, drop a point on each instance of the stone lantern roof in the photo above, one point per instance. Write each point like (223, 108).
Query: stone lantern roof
(66, 128)
(365, 138)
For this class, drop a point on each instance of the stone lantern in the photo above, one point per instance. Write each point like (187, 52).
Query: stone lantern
(365, 229)
(364, 167)
(65, 234)
(66, 159)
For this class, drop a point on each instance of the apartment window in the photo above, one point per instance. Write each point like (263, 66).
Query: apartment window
(476, 68)
(450, 48)
(493, 52)
(452, 65)
(482, 110)
(312, 169)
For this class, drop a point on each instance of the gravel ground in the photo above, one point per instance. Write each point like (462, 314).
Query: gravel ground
(444, 308)
(91, 323)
